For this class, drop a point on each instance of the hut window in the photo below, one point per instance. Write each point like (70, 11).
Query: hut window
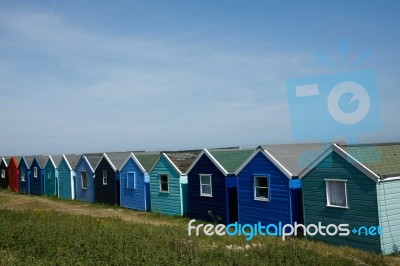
(164, 186)
(35, 172)
(48, 175)
(84, 180)
(104, 177)
(261, 188)
(3, 173)
(336, 193)
(131, 180)
(205, 185)
(23, 176)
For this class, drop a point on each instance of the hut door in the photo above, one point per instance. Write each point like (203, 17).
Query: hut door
(117, 192)
(233, 205)
(56, 185)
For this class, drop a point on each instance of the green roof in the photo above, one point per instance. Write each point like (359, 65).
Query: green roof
(231, 160)
(147, 160)
(383, 159)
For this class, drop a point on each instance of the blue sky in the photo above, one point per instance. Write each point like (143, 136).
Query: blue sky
(86, 76)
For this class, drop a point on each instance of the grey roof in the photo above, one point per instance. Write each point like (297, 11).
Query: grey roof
(183, 159)
(56, 159)
(118, 158)
(29, 160)
(296, 157)
(7, 159)
(93, 158)
(72, 159)
(42, 160)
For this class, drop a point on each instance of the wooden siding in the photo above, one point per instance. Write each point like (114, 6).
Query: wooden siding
(278, 208)
(36, 183)
(12, 172)
(130, 197)
(106, 194)
(361, 197)
(168, 203)
(207, 208)
(389, 215)
(83, 194)
(50, 184)
(23, 186)
(4, 181)
(65, 181)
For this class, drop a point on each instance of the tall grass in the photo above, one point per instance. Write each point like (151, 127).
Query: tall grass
(52, 238)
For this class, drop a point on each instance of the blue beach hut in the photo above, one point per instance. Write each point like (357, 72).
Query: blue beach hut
(85, 174)
(269, 188)
(135, 180)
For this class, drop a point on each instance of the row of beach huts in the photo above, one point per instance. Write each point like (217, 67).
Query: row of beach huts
(332, 183)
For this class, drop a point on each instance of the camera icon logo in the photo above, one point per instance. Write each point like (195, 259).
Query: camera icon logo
(359, 93)
(337, 106)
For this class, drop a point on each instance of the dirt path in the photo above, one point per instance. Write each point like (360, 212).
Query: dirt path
(15, 201)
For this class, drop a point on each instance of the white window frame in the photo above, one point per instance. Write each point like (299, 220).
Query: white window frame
(159, 179)
(48, 174)
(104, 177)
(84, 172)
(134, 180)
(35, 175)
(255, 188)
(201, 185)
(328, 196)
(23, 176)
(3, 173)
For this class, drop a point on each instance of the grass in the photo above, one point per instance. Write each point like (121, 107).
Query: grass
(40, 237)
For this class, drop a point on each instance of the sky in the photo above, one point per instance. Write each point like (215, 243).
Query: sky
(96, 76)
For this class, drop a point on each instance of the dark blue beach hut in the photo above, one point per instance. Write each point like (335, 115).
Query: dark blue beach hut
(212, 184)
(3, 169)
(24, 173)
(37, 174)
(107, 178)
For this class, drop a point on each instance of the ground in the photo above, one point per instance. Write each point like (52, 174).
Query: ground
(140, 234)
(15, 201)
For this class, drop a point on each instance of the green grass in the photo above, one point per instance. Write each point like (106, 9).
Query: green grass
(47, 237)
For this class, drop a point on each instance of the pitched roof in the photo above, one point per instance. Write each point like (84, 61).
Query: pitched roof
(182, 159)
(42, 160)
(73, 160)
(93, 158)
(147, 159)
(56, 159)
(118, 158)
(29, 160)
(382, 158)
(231, 159)
(295, 158)
(17, 159)
(6, 161)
